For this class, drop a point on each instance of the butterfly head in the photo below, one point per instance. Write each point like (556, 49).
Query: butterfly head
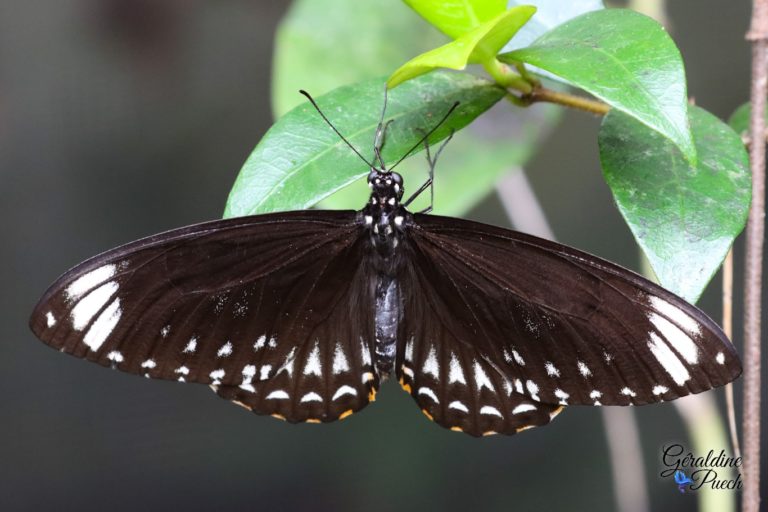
(386, 188)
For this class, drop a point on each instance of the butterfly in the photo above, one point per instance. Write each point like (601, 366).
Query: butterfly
(303, 315)
(682, 480)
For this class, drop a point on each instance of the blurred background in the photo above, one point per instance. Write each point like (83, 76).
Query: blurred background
(123, 118)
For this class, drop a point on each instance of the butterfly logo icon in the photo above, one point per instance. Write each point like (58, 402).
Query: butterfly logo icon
(682, 480)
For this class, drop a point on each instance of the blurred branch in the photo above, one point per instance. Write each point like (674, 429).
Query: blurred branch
(728, 330)
(630, 487)
(758, 35)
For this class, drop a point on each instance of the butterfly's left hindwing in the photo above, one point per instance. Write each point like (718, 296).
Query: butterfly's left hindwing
(259, 307)
(569, 327)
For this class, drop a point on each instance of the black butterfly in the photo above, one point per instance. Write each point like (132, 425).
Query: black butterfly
(302, 315)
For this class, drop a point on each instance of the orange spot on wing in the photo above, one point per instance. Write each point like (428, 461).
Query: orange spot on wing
(556, 412)
(372, 395)
(457, 429)
(406, 387)
(313, 420)
(426, 413)
(490, 433)
(345, 414)
(524, 428)
(278, 416)
(241, 404)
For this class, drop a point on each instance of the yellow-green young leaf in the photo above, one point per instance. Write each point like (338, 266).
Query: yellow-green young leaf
(457, 17)
(477, 46)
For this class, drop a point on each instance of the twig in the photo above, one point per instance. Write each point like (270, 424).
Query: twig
(728, 330)
(542, 94)
(758, 35)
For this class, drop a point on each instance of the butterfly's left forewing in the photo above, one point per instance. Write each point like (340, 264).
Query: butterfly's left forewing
(259, 307)
(569, 327)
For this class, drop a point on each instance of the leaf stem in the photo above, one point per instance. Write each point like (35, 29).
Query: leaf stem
(758, 35)
(542, 94)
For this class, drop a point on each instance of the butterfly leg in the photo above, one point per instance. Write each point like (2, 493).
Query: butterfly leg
(432, 161)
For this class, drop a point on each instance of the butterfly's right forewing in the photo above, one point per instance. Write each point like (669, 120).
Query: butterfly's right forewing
(261, 305)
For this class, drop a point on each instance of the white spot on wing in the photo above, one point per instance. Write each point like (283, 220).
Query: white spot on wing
(313, 366)
(264, 372)
(720, 358)
(249, 371)
(523, 408)
(676, 337)
(481, 379)
(366, 352)
(340, 363)
(311, 397)
(456, 374)
(225, 350)
(165, 330)
(458, 406)
(490, 411)
(428, 392)
(552, 371)
(519, 360)
(278, 394)
(88, 281)
(562, 396)
(533, 389)
(595, 394)
(149, 363)
(50, 320)
(103, 326)
(668, 360)
(431, 365)
(259, 344)
(628, 392)
(660, 390)
(289, 363)
(677, 315)
(409, 350)
(217, 375)
(115, 356)
(584, 369)
(191, 346)
(86, 308)
(344, 390)
(519, 387)
(367, 377)
(182, 370)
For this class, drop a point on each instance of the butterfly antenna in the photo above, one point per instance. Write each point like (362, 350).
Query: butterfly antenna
(381, 129)
(425, 137)
(311, 100)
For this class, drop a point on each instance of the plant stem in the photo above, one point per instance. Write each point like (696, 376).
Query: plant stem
(758, 35)
(542, 94)
(728, 330)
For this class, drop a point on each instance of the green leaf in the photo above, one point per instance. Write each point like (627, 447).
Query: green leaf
(323, 44)
(301, 160)
(739, 120)
(684, 216)
(624, 58)
(477, 46)
(457, 17)
(471, 164)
